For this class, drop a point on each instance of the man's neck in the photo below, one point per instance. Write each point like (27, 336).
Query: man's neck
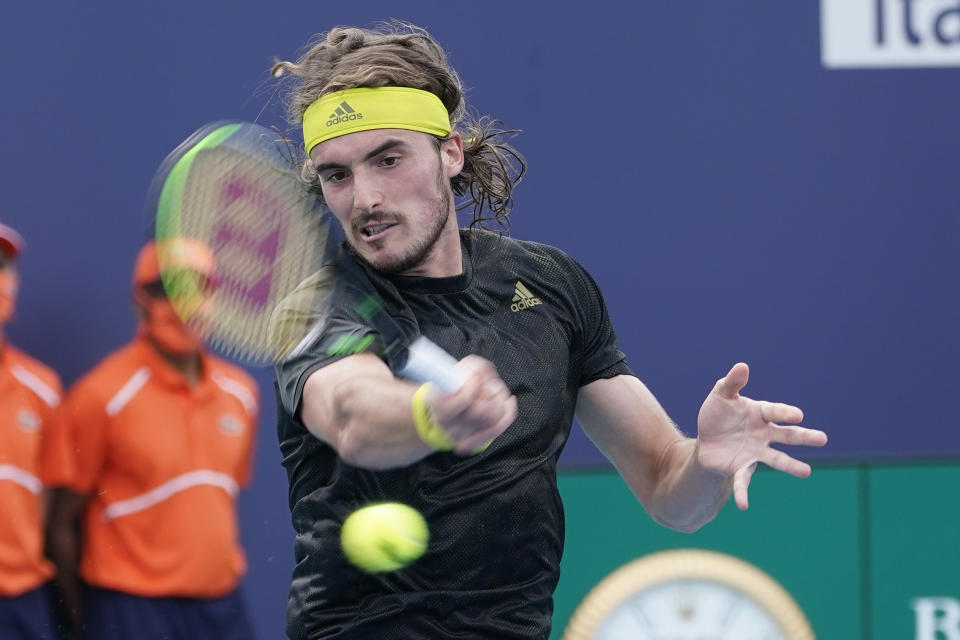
(189, 365)
(446, 257)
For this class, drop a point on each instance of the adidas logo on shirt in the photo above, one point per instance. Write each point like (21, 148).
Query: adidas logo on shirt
(523, 299)
(342, 114)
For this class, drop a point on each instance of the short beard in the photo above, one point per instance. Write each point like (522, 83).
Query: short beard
(419, 251)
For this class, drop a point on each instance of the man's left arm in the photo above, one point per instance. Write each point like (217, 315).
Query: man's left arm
(683, 482)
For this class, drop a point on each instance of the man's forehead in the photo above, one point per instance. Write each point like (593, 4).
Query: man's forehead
(356, 145)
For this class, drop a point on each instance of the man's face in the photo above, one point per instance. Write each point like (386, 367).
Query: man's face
(7, 261)
(164, 320)
(390, 191)
(9, 285)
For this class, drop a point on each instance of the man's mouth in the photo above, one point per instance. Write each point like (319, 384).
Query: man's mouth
(371, 231)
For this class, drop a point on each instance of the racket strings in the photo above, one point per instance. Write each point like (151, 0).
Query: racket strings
(244, 200)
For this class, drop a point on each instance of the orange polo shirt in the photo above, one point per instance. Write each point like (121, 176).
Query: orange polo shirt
(162, 464)
(29, 392)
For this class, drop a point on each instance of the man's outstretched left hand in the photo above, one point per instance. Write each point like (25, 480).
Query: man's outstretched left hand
(734, 433)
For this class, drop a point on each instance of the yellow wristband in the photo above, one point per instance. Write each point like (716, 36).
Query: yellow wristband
(430, 431)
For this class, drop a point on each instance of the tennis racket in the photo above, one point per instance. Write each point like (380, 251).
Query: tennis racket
(235, 187)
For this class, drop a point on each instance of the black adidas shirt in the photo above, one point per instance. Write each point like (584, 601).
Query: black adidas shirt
(495, 519)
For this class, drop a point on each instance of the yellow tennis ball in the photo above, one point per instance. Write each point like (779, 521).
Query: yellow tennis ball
(384, 537)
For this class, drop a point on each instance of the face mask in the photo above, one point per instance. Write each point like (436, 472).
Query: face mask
(9, 284)
(164, 327)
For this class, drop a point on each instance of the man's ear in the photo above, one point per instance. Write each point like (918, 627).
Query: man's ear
(451, 155)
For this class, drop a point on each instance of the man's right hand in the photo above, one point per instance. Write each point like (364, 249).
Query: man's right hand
(478, 411)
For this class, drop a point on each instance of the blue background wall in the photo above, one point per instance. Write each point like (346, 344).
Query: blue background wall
(735, 199)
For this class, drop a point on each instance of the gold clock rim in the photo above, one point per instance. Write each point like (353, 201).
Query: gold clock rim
(646, 571)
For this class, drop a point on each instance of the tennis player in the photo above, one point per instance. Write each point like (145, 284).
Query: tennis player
(29, 393)
(390, 147)
(163, 436)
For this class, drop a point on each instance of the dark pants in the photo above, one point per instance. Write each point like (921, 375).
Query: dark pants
(27, 616)
(113, 615)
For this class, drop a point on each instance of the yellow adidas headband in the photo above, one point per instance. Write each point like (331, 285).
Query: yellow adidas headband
(337, 114)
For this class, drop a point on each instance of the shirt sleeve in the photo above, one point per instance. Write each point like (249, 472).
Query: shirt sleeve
(55, 463)
(595, 342)
(335, 332)
(79, 435)
(244, 473)
(363, 312)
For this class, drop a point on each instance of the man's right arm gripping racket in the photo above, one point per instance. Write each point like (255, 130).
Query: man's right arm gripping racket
(235, 187)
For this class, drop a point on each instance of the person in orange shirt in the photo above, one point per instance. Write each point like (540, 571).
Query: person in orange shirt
(29, 392)
(163, 435)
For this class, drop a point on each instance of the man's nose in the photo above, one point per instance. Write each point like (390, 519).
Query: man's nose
(367, 195)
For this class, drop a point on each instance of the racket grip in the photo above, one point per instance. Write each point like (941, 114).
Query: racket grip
(426, 362)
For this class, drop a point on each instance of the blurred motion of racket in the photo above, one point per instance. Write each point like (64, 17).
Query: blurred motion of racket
(235, 186)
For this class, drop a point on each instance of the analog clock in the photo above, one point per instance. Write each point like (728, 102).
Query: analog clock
(688, 594)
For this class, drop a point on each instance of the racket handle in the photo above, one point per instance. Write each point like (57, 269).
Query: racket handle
(426, 362)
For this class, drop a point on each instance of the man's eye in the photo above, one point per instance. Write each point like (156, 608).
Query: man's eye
(390, 161)
(333, 176)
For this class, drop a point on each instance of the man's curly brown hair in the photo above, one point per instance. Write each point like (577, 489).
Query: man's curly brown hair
(399, 54)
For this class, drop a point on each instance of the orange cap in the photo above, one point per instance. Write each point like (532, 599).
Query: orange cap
(10, 241)
(175, 253)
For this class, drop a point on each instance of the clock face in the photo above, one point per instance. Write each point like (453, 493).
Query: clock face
(688, 594)
(688, 609)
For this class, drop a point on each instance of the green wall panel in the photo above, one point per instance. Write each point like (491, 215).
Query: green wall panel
(804, 533)
(914, 515)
